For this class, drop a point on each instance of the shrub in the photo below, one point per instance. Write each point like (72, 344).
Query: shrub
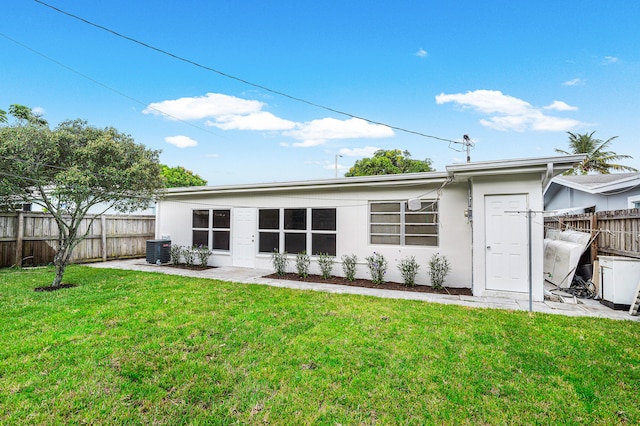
(438, 269)
(188, 255)
(349, 266)
(377, 267)
(302, 264)
(409, 269)
(175, 253)
(325, 261)
(279, 262)
(203, 254)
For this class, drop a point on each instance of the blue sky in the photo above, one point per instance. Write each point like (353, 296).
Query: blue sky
(514, 76)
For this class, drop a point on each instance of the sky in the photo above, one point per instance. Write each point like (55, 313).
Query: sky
(263, 91)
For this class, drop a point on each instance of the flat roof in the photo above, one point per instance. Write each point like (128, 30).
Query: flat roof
(548, 165)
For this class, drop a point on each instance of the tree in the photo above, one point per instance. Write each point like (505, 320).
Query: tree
(598, 159)
(72, 168)
(23, 114)
(389, 162)
(179, 176)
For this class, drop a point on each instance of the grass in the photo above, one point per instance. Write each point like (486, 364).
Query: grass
(132, 347)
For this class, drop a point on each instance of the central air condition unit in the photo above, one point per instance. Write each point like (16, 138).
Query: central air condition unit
(158, 251)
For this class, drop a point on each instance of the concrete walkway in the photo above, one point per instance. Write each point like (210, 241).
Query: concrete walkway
(588, 308)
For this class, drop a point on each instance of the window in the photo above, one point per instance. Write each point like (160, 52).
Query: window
(394, 224)
(220, 234)
(295, 232)
(268, 219)
(200, 224)
(212, 223)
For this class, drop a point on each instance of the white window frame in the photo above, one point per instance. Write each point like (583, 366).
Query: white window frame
(403, 213)
(633, 201)
(210, 229)
(308, 231)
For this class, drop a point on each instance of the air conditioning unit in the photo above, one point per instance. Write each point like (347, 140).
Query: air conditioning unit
(158, 251)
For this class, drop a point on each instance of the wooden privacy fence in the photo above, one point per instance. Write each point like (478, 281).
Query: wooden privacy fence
(618, 231)
(29, 238)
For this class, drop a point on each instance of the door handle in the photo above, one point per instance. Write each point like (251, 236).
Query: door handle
(488, 247)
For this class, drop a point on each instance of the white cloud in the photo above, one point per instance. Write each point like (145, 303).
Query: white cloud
(255, 121)
(608, 60)
(231, 113)
(181, 141)
(317, 132)
(511, 114)
(575, 82)
(422, 53)
(199, 107)
(38, 111)
(212, 155)
(561, 106)
(487, 101)
(367, 151)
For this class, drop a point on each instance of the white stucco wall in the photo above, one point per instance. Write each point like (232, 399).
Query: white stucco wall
(174, 219)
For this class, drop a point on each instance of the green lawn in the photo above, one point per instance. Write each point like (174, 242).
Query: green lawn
(132, 347)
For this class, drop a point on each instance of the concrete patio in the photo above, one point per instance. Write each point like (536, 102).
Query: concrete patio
(584, 307)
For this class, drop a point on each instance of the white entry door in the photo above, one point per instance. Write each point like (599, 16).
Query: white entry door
(243, 237)
(507, 257)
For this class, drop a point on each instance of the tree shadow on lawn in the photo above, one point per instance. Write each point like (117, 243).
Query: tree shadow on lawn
(52, 288)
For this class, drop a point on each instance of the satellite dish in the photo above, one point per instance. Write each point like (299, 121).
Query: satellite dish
(414, 204)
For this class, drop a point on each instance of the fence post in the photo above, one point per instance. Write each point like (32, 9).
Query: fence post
(103, 228)
(19, 239)
(593, 225)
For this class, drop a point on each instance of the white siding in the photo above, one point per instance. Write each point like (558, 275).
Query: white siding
(352, 222)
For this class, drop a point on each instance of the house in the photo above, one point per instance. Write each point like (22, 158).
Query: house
(592, 193)
(475, 214)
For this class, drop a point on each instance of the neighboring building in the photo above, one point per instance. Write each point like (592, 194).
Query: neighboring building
(593, 193)
(474, 213)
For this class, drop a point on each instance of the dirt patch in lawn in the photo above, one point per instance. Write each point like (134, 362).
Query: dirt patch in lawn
(389, 285)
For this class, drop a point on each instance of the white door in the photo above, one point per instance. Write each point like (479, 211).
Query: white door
(243, 233)
(507, 257)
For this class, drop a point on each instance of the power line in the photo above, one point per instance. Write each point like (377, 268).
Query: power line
(93, 80)
(232, 77)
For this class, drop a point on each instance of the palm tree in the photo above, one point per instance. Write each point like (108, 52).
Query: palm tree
(598, 160)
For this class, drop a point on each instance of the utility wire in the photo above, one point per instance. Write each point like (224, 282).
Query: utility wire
(93, 80)
(241, 80)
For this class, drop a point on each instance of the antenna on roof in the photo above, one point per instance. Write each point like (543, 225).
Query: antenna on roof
(468, 145)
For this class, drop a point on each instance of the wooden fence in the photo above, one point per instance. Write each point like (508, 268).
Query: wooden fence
(29, 238)
(615, 232)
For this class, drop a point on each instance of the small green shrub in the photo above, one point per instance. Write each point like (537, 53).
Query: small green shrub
(349, 266)
(409, 269)
(175, 253)
(377, 267)
(302, 264)
(189, 256)
(279, 262)
(325, 261)
(438, 269)
(203, 254)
